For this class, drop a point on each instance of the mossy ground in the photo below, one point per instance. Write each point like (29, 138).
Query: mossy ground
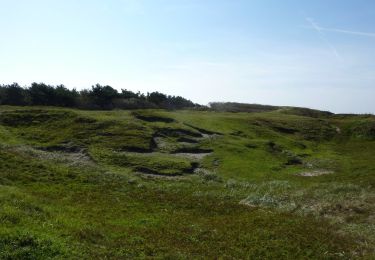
(72, 185)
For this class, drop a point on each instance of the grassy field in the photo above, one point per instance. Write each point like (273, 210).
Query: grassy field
(186, 184)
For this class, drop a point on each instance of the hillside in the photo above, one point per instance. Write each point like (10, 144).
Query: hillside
(286, 183)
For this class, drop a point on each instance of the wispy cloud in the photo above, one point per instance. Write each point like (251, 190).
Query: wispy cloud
(320, 31)
(367, 34)
(314, 25)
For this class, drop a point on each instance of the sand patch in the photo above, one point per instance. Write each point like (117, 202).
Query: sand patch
(315, 173)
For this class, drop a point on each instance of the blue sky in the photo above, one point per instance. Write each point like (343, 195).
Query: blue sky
(319, 54)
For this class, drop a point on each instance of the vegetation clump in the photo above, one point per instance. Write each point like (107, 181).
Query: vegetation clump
(27, 246)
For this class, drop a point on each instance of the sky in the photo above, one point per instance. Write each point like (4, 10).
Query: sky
(318, 54)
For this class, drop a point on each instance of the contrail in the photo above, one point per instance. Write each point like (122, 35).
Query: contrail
(347, 32)
(321, 34)
(315, 26)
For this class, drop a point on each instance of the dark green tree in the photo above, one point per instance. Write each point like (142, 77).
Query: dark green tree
(65, 97)
(42, 94)
(103, 96)
(12, 95)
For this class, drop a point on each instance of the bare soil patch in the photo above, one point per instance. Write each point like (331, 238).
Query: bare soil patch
(315, 173)
(194, 156)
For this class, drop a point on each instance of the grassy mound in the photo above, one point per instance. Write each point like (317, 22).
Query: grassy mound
(271, 185)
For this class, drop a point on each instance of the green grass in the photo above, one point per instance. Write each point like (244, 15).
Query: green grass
(95, 184)
(156, 163)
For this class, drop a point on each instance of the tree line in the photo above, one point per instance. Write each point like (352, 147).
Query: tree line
(98, 97)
